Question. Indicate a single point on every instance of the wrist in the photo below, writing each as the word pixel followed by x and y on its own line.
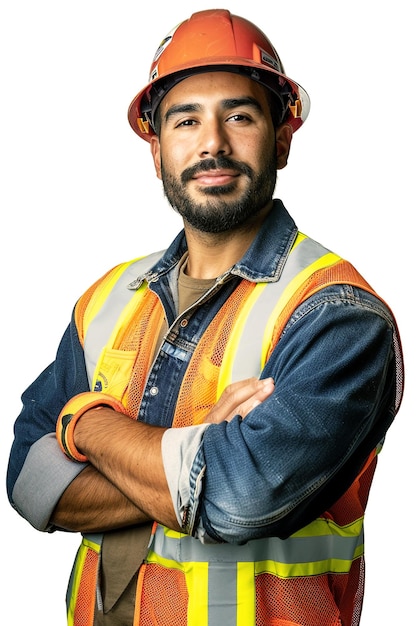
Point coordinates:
pixel 74 409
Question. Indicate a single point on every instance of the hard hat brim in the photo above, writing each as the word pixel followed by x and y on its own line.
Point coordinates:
pixel 139 112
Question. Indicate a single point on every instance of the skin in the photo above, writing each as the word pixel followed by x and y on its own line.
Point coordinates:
pixel 199 124
pixel 210 116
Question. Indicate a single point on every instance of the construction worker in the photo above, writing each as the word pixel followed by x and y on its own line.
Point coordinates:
pixel 212 419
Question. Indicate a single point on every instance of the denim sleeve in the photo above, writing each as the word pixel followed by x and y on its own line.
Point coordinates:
pixel 179 449
pixel 38 473
pixel 295 454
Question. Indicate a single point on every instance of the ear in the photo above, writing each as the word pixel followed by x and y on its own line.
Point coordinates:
pixel 156 155
pixel 283 137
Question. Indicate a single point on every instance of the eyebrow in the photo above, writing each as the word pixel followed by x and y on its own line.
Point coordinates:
pixel 226 104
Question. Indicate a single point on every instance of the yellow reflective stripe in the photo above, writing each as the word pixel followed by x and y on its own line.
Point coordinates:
pixel 102 292
pixel 127 313
pixel 246 597
pixel 115 365
pixel 250 339
pixel 323 526
pixel 174 534
pixel 154 557
pixel 105 317
pixel 197 584
pixel 90 543
pixel 226 368
pixel 86 544
pixel 300 237
pixel 225 373
pixel 312 568
pixel 325 261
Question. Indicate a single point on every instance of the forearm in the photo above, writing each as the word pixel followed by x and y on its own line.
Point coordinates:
pixel 126 481
pixel 92 504
pixel 128 454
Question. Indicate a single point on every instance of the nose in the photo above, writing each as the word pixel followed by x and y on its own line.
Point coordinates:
pixel 213 140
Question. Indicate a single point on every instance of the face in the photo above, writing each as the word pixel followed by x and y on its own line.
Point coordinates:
pixel 218 152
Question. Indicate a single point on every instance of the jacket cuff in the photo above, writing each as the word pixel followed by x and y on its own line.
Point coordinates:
pixel 180 449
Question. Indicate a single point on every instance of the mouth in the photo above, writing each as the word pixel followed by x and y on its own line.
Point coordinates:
pixel 216 178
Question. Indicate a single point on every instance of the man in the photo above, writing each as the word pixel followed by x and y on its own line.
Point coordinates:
pixel 212 419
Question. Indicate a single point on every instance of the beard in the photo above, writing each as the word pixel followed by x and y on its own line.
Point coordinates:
pixel 218 214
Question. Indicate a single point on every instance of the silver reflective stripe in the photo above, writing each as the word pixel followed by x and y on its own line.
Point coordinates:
pixel 222 594
pixel 247 361
pixel 101 327
pixel 96 538
pixel 294 550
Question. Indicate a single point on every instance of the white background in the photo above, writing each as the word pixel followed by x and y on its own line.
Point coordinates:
pixel 78 194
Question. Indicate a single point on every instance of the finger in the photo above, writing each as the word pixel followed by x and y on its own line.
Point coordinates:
pixel 246 407
pixel 238 397
pixel 241 391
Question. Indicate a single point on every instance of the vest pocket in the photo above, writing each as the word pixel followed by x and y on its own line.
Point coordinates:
pixel 113 372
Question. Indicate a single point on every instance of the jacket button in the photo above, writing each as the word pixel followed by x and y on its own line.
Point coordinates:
pixel 153 391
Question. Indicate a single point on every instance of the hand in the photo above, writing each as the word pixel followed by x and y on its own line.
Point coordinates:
pixel 239 399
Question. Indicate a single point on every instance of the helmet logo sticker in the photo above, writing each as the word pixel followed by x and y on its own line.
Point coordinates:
pixel 164 43
pixel 162 46
pixel 266 59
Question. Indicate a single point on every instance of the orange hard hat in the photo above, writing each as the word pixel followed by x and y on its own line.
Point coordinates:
pixel 216 40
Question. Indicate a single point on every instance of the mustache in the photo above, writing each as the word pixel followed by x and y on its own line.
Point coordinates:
pixel 216 164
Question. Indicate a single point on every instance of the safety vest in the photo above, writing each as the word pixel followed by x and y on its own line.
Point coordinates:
pixel 315 577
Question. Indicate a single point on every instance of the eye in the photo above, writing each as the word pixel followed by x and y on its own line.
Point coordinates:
pixel 239 117
pixel 187 122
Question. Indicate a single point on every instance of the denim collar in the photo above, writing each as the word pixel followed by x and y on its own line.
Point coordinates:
pixel 262 262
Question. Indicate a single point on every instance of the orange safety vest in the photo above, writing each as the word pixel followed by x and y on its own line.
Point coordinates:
pixel 315 577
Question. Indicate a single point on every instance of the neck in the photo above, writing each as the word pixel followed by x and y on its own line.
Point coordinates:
pixel 212 254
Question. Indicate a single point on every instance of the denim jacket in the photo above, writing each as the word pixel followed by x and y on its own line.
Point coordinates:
pixel 337 373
